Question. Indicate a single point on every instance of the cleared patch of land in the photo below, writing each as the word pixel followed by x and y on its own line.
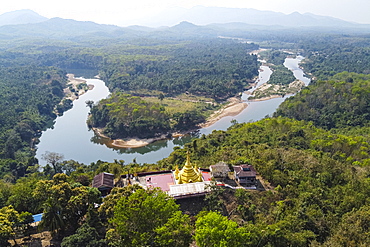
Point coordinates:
pixel 184 103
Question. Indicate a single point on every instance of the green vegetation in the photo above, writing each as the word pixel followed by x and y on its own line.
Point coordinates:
pixel 212 68
pixel 340 102
pixel 314 153
pixel 186 103
pixel 308 166
pixel 139 216
pixel 281 75
pixel 275 57
pixel 213 229
pixel 350 54
pixel 123 115
pixel 28 99
pixel 282 81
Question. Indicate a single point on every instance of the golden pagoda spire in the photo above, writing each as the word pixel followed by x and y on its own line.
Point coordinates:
pixel 177 172
pixel 187 157
pixel 188 173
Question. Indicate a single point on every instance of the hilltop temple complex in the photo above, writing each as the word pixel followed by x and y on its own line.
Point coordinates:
pixel 190 181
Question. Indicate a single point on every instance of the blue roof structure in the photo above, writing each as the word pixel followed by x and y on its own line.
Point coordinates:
pixel 37 217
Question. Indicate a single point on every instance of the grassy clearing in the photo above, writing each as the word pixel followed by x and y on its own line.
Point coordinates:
pixel 183 104
pixel 191 97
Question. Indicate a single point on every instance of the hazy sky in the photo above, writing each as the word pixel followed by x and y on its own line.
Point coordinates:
pixel 125 12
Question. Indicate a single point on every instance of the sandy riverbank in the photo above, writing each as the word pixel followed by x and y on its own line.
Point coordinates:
pixel 133 143
pixel 235 107
pixel 126 143
pixel 267 98
pixel 74 82
pixel 276 91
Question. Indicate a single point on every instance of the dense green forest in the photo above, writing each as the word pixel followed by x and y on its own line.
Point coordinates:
pixel 274 57
pixel 320 182
pixel 339 102
pixel 281 75
pixel 123 115
pixel 329 55
pixel 28 99
pixel 314 152
pixel 212 68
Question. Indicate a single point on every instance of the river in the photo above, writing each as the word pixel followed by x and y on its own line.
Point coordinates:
pixel 71 137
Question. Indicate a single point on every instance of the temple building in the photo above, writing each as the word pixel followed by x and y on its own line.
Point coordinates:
pixel 188 173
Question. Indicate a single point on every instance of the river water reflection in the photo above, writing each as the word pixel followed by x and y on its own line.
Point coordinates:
pixel 71 137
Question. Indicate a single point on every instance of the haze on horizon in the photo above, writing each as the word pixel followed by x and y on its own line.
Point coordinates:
pixel 133 12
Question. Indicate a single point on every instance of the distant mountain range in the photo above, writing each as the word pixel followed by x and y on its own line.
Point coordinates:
pixel 200 22
pixel 200 15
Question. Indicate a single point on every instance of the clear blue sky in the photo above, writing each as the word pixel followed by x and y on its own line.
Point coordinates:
pixel 125 12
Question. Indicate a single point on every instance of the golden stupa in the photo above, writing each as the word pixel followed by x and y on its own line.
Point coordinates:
pixel 188 173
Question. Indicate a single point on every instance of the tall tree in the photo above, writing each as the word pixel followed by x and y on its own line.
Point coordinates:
pixel 176 232
pixel 52 218
pixel 54 159
pixel 137 216
pixel 213 229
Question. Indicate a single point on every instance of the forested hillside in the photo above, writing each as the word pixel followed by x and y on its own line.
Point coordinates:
pixel 28 97
pixel 320 181
pixel 319 186
pixel 343 101
pixel 329 55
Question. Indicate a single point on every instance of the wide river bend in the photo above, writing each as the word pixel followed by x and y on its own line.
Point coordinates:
pixel 71 137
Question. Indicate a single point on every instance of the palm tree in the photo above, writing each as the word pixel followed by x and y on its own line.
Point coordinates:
pixel 52 218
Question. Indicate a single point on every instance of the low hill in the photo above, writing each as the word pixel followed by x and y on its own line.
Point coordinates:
pixel 64 29
pixel 21 17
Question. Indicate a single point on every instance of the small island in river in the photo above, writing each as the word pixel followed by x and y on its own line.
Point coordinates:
pixel 128 121
pixel 269 91
pixel 282 81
